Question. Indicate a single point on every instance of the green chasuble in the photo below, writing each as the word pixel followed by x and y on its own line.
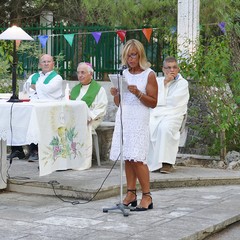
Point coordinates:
pixel 47 80
pixel 90 94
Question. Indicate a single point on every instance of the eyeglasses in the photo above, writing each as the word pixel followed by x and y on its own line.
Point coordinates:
pixel 169 68
pixel 132 55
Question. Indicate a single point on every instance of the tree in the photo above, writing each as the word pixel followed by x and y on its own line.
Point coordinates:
pixel 128 13
pixel 24 11
pixel 211 69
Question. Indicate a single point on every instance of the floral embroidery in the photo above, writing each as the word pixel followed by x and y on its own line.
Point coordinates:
pixel 64 145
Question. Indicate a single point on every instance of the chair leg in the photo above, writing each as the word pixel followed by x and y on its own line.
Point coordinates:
pixel 96 147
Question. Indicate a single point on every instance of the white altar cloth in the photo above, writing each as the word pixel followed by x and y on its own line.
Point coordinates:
pixel 58 127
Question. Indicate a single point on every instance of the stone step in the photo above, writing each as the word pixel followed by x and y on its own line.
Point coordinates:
pixel 104 182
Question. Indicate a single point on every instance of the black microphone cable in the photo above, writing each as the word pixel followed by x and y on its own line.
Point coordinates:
pixel 54 182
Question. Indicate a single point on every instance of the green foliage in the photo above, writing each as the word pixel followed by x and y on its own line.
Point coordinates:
pixel 128 13
pixel 5 57
pixel 29 51
pixel 211 68
pixel 131 13
pixel 5 66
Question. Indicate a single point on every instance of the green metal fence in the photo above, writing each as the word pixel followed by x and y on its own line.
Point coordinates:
pixel 105 55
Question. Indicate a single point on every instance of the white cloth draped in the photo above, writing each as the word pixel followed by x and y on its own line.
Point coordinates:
pixel 166 120
pixel 65 141
pixel 60 128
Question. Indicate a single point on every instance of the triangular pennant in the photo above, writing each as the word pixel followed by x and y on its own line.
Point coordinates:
pixel 69 38
pixel 121 34
pixel 43 40
pixel 222 27
pixel 97 36
pixel 147 32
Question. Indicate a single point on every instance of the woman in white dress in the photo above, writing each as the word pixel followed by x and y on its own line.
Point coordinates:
pixel 132 121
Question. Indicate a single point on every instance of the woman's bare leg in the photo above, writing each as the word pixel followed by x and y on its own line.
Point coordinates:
pixel 131 181
pixel 142 173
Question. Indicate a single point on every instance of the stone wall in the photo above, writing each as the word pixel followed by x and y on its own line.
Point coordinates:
pixel 196 143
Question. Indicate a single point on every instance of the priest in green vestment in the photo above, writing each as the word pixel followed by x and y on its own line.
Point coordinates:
pixel 91 92
pixel 45 84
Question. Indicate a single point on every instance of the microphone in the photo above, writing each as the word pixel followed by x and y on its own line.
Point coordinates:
pixel 122 68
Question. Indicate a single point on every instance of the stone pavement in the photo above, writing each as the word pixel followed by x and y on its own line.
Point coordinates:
pixel 190 203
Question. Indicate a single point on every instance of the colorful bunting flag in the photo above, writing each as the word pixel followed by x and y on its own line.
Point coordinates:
pixel 147 32
pixel 69 38
pixel 222 27
pixel 43 40
pixel 97 36
pixel 121 34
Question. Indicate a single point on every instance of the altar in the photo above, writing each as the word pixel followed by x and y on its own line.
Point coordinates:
pixel 60 128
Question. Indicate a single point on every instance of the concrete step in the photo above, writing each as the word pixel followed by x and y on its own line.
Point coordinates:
pixel 104 182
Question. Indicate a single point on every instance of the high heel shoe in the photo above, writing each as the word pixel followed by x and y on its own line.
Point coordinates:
pixel 150 206
pixel 134 202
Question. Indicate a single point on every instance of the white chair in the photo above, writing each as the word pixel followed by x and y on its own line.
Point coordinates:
pixel 96 146
pixel 183 131
pixel 103 126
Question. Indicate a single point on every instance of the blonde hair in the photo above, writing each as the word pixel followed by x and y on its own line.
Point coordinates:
pixel 133 43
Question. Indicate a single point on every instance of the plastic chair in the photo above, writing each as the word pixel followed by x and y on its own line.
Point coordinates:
pixel 183 123
pixel 183 131
pixel 96 146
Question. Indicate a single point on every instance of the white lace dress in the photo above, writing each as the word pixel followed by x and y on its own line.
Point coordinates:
pixel 132 120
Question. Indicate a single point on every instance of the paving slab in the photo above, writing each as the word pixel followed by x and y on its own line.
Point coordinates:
pixel 191 213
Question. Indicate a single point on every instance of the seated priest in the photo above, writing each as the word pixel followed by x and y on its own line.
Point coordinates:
pixel 91 92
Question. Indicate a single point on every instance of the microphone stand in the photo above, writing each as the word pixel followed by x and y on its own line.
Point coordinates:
pixel 120 206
